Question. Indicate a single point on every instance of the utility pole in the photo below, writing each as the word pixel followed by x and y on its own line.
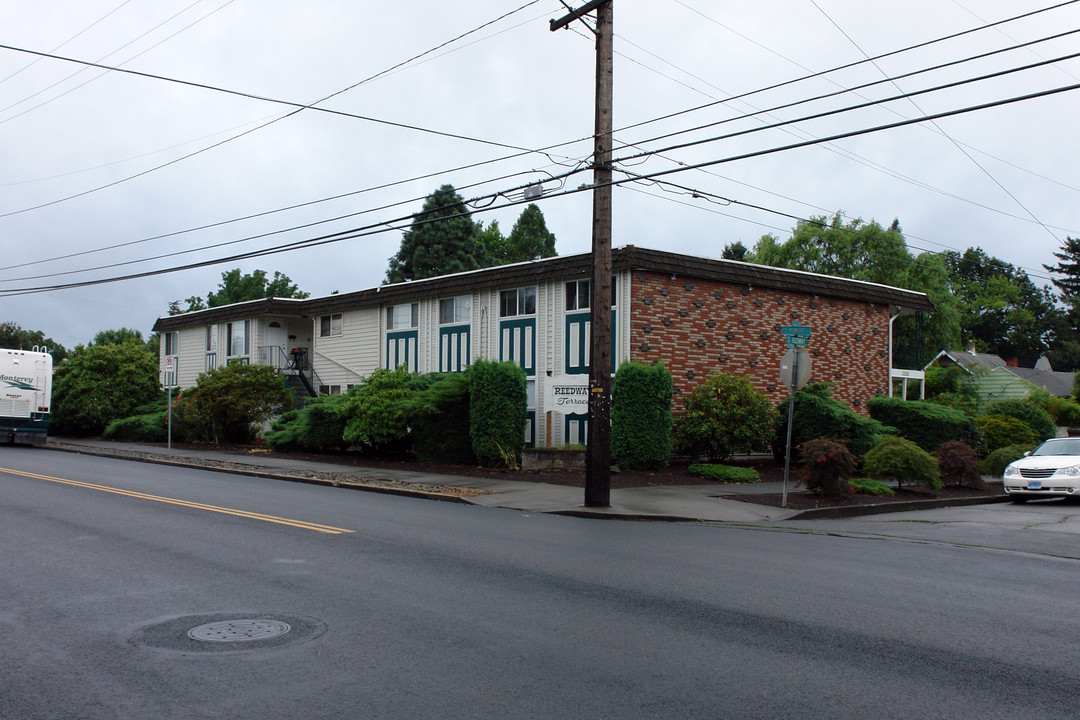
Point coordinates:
pixel 598 449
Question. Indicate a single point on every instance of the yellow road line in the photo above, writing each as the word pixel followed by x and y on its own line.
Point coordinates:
pixel 329 529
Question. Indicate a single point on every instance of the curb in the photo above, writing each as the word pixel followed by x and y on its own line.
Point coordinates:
pixel 882 508
pixel 402 492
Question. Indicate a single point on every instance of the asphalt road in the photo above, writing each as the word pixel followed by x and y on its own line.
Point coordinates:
pixel 405 608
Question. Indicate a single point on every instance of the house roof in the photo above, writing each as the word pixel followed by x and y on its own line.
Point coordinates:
pixel 1058 384
pixel 969 360
pixel 624 258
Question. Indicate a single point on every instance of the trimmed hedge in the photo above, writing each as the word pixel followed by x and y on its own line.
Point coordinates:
pixel 641 416
pixel 439 420
pixel 497 412
pixel 318 427
pixel 1028 413
pixel 995 462
pixel 725 473
pixel 870 486
pixel 998 431
pixel 818 414
pixel 903 461
pixel 149 427
pixel 926 424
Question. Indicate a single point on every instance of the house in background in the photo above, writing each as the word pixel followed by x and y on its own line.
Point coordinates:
pixel 999 379
pixel 696 315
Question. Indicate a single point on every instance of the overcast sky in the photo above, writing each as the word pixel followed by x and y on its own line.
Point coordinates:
pixel 91 158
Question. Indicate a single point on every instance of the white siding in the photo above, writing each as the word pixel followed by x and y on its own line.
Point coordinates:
pixel 353 355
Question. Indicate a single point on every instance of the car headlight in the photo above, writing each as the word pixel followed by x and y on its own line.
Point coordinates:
pixel 1069 471
pixel 1012 471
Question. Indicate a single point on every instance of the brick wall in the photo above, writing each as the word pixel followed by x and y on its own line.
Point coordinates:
pixel 700 326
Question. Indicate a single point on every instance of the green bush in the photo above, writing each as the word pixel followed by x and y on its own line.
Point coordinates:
pixel 228 403
pixel 375 413
pixel 870 486
pixel 905 462
pixel 954 387
pixel 996 462
pixel 1064 411
pixel 827 464
pixel 101 383
pixel 641 416
pixel 1027 412
pixel 148 427
pixel 725 473
pixel 926 424
pixel 818 414
pixel 497 412
pixel 722 416
pixel 998 431
pixel 439 417
pixel 317 427
pixel 959 465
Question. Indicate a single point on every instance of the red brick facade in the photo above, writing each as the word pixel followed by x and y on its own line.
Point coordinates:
pixel 700 326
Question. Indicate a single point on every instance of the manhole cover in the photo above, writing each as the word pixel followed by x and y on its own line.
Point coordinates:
pixel 226 633
pixel 239 630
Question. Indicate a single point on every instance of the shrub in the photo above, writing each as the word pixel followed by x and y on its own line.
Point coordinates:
pixel 818 414
pixel 723 416
pixel 375 416
pixel 926 424
pixel 827 464
pixel 1027 412
pixel 725 473
pixel 100 383
pixel 903 461
pixel 998 431
pixel 318 427
pixel 959 465
pixel 227 403
pixel 954 387
pixel 995 462
pixel 1064 411
pixel 641 416
pixel 870 486
pixel 439 417
pixel 148 427
pixel 497 412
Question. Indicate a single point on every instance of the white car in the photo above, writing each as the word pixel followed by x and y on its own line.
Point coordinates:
pixel 1050 470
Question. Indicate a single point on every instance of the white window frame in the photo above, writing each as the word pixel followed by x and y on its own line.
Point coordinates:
pixel 520 297
pixel 331 328
pixel 461 310
pixel 395 317
pixel 246 335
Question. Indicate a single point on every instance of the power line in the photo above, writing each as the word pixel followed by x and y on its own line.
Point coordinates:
pixel 386 226
pixel 299 108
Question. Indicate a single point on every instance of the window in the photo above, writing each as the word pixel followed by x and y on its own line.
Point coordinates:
pixel 455 310
pixel 330 325
pixel 172 343
pixel 329 389
pixel 577 295
pixel 517 302
pixel 211 338
pixel 403 317
pixel 239 334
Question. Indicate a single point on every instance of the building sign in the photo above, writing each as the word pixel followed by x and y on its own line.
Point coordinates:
pixel 567 393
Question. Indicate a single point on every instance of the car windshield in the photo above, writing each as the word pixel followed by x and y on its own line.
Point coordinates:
pixel 1070 446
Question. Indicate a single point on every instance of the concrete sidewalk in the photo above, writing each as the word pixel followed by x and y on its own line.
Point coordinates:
pixel 671 503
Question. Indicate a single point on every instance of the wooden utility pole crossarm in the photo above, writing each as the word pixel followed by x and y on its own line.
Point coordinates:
pixel 598 450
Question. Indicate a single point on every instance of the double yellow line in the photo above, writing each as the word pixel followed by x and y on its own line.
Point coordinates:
pixel 330 530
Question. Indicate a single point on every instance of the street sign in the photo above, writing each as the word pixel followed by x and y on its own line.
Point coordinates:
pixel 796 334
pixel 787 368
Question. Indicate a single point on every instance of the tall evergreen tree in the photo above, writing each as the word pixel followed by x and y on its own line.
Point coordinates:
pixel 529 238
pixel 442 240
pixel 1068 267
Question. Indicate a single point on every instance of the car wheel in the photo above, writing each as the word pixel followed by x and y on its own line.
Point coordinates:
pixel 1018 499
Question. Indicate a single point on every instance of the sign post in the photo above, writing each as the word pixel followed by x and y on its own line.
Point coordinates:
pixel 794 373
pixel 170 383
